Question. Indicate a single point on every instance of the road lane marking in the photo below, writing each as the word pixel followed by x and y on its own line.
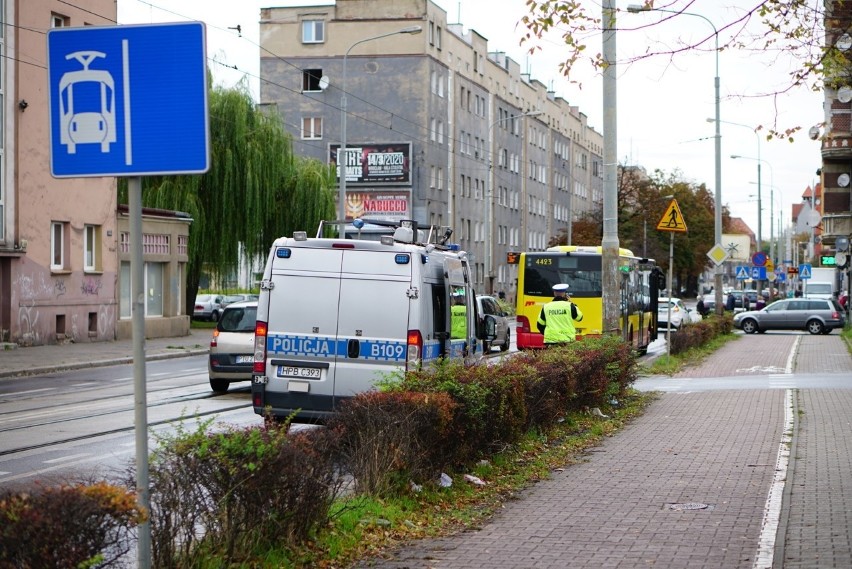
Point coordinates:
pixel 792 356
pixel 67 458
pixel 29 391
pixel 772 511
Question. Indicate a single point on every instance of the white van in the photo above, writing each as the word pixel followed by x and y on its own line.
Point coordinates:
pixel 335 315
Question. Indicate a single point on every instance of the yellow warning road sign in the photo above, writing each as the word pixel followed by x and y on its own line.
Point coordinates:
pixel 672 220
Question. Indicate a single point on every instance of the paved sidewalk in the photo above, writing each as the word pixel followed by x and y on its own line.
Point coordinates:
pixel 16 360
pixel 697 482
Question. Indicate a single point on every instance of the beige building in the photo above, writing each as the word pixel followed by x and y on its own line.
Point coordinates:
pixel 60 239
pixel 446 129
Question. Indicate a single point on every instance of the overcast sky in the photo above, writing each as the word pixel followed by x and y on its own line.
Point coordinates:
pixel 662 104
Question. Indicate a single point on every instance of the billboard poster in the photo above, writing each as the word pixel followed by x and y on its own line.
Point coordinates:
pixel 375 163
pixel 389 206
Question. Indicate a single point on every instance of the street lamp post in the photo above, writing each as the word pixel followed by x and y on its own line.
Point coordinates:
pixel 489 204
pixel 759 204
pixel 342 161
pixel 717 218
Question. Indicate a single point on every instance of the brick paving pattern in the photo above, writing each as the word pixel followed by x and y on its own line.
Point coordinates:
pixel 816 528
pixel 613 509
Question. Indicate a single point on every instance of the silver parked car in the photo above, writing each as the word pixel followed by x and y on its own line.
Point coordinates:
pixel 489 309
pixel 240 297
pixel 208 307
pixel 231 355
pixel 817 316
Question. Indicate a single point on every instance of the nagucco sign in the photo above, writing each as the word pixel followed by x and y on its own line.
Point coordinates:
pixel 375 164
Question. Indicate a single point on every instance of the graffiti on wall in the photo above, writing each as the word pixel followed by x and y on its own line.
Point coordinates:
pixel 91 286
pixel 28 325
pixel 34 286
pixel 76 316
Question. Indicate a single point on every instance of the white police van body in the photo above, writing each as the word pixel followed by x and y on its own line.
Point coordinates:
pixel 335 315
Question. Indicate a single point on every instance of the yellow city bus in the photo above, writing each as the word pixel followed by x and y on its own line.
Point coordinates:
pixel 580 267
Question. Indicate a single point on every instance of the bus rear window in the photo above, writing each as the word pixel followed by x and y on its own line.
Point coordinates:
pixel 582 273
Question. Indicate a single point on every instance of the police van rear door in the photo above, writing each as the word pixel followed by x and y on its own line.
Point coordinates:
pixel 302 320
pixel 376 296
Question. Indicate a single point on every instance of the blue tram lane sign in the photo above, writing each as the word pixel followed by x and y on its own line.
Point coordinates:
pixel 128 100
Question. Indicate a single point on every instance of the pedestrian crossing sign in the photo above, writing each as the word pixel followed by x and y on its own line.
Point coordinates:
pixel 672 220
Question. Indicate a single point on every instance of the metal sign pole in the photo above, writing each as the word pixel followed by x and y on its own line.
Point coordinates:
pixel 669 287
pixel 137 293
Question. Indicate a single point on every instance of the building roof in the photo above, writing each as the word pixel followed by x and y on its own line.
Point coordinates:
pixel 741 227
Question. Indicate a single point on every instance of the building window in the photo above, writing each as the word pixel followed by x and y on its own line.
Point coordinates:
pixel 438 37
pixel 311 79
pixel 431 33
pixel 313 31
pixel 58 243
pixel 59 21
pixel 91 246
pixel 153 283
pixel 311 128
pixel 125 303
pixel 154 289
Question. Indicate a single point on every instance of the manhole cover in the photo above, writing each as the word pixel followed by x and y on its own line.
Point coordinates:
pixel 689 506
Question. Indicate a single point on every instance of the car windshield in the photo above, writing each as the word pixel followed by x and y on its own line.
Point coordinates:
pixel 240 319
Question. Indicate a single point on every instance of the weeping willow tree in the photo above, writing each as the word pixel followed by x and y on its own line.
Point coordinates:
pixel 255 191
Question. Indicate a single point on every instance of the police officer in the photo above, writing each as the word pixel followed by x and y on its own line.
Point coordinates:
pixel 557 318
pixel 458 316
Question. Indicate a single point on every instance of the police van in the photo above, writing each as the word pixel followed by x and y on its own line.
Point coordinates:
pixel 335 315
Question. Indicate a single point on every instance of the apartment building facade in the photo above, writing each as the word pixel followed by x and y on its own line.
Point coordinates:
pixel 835 202
pixel 439 127
pixel 64 266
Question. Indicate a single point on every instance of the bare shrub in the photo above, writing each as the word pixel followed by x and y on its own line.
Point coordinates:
pixel 225 494
pixel 68 526
pixel 550 386
pixel 387 434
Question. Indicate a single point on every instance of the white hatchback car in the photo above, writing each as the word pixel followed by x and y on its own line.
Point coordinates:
pixel 232 346
pixel 680 313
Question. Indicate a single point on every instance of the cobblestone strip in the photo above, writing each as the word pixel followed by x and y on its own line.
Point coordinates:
pixel 817 519
pixel 749 354
pixel 823 354
pixel 615 509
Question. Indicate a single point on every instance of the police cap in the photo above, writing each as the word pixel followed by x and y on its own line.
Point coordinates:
pixel 561 287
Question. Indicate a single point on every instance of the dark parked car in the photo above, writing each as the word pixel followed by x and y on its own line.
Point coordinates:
pixel 817 316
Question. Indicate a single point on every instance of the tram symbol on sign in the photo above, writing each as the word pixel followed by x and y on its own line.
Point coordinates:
pixel 86 104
